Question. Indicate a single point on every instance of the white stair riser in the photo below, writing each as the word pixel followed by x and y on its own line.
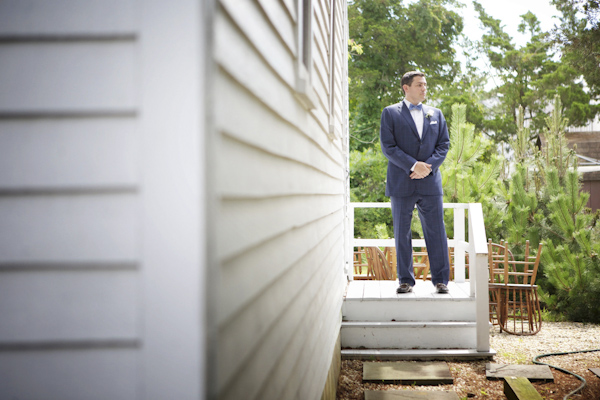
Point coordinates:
pixel 411 337
pixel 421 355
pixel 408 310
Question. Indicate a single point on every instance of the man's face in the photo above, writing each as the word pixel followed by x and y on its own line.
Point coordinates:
pixel 417 91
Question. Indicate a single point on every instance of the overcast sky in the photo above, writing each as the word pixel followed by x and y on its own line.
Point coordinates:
pixel 509 11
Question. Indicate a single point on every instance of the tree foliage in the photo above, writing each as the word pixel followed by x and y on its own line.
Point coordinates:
pixel 468 89
pixel 396 38
pixel 579 38
pixel 521 192
pixel 471 169
pixel 530 77
pixel 535 197
pixel 545 203
pixel 367 184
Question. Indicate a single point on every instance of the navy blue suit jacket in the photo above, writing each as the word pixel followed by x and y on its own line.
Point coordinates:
pixel 402 146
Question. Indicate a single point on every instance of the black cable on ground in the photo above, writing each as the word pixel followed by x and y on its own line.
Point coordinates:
pixel 581 378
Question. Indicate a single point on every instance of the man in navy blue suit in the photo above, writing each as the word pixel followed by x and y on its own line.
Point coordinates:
pixel 414 138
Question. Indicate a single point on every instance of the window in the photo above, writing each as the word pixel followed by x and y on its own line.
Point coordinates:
pixel 333 132
pixel 304 90
pixel 305 48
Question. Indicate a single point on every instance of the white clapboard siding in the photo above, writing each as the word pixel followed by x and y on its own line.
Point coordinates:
pixel 68 153
pixel 277 254
pixel 248 171
pixel 252 122
pixel 70 373
pixel 285 375
pixel 281 189
pixel 321 117
pixel 250 223
pixel 68 228
pixel 52 72
pixel 291 9
pixel 288 318
pixel 309 358
pixel 282 20
pixel 95 306
pixel 69 182
pixel 236 56
pixel 68 18
pixel 321 86
pixel 102 257
pixel 257 30
pixel 321 40
pixel 274 271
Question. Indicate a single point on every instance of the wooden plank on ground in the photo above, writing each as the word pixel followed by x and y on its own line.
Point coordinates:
pixel 407 372
pixel 410 395
pixel 519 388
pixel 596 371
pixel 531 372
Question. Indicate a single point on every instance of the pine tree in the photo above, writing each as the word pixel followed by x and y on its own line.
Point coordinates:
pixel 545 203
pixel 524 213
pixel 523 216
pixel 570 255
pixel 471 169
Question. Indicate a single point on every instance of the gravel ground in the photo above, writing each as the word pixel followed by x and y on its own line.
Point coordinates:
pixel 469 376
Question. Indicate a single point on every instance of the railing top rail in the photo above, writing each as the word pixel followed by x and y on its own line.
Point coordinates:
pixel 389 205
pixel 477 235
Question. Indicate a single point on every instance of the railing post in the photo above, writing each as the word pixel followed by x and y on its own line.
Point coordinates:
pixel 350 248
pixel 482 311
pixel 459 250
pixel 479 275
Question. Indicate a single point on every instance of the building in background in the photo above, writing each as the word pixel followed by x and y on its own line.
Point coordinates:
pixel 587 147
pixel 173 192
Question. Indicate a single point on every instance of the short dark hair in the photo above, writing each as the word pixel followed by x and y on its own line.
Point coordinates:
pixel 408 77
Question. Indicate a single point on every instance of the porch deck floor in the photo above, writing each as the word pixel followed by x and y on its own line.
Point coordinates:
pixel 423 290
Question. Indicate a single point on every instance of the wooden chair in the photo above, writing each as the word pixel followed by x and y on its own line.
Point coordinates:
pixel 379 268
pixel 451 257
pixel 390 256
pixel 360 262
pixel 514 302
pixel 496 255
pixel 420 262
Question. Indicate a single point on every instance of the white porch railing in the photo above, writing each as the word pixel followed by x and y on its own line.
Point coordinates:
pixel 475 246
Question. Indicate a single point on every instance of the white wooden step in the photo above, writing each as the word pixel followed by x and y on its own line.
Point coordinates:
pixel 408 335
pixel 378 301
pixel 425 354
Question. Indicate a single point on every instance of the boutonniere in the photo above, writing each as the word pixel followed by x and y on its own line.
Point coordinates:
pixel 429 114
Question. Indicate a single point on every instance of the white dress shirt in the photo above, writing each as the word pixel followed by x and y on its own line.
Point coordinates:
pixel 417 117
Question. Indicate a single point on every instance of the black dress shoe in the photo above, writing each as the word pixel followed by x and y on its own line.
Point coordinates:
pixel 404 288
pixel 441 288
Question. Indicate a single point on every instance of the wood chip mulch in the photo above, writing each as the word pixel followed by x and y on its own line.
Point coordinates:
pixel 470 381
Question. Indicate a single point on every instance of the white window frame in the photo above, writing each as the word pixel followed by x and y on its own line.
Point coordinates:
pixel 332 133
pixel 304 89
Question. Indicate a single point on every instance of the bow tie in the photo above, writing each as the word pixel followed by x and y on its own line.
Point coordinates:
pixel 413 107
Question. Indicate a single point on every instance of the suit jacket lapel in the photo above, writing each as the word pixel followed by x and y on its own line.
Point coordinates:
pixel 409 119
pixel 426 121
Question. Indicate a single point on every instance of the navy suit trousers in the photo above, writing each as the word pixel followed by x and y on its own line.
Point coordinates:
pixel 431 214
